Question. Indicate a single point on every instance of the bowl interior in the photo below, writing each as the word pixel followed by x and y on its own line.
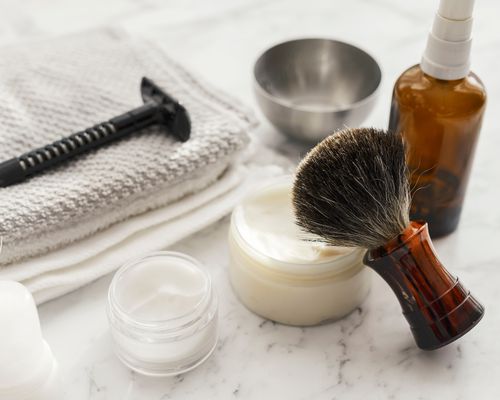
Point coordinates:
pixel 317 74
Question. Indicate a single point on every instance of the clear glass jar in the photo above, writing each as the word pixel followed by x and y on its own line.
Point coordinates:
pixel 162 311
pixel 273 280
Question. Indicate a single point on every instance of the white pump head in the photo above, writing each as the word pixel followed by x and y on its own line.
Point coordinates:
pixel 447 55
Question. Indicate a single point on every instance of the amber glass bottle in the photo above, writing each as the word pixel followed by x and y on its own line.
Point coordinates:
pixel 438 107
pixel 440 120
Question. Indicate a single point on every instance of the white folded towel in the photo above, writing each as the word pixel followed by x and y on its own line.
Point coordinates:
pixel 56 87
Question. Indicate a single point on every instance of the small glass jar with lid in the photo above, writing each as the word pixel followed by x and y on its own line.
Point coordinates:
pixel 162 310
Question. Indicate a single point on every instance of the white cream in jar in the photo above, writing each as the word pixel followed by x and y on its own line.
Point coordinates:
pixel 281 276
pixel 163 314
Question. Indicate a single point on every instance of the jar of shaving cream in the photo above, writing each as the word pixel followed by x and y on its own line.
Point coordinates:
pixel 280 275
pixel 162 311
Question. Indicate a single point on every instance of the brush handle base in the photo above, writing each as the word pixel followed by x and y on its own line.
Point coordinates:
pixel 431 335
pixel 437 307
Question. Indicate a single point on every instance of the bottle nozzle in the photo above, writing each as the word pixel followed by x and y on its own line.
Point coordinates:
pixel 447 55
pixel 457 10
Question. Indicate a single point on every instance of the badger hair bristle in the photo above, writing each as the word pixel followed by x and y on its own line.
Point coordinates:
pixel 352 189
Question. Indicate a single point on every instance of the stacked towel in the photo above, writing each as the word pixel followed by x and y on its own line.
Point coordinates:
pixel 70 216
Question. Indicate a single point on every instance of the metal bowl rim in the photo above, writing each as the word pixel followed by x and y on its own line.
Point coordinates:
pixel 311 109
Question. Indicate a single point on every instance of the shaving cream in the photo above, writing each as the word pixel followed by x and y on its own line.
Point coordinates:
pixel 280 273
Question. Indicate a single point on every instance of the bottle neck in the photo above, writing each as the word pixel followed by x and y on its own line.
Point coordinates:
pixel 447 54
pixel 445 81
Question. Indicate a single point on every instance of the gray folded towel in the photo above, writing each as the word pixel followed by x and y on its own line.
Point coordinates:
pixel 53 88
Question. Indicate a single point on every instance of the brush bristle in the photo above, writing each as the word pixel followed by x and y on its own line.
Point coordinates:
pixel 352 189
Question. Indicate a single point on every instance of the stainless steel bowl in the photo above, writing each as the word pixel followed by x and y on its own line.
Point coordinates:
pixel 308 88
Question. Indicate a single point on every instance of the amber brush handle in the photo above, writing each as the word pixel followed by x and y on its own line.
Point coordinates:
pixel 436 305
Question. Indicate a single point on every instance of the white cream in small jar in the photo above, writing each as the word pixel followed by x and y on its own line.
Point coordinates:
pixel 162 311
pixel 281 276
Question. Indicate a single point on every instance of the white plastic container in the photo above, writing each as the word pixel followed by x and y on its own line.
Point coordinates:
pixel 279 275
pixel 28 370
pixel 163 314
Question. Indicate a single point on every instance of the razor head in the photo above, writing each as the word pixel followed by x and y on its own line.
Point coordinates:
pixel 171 114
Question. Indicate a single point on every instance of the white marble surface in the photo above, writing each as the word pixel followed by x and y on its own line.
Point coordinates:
pixel 369 354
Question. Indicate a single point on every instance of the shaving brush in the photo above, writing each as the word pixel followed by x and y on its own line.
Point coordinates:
pixel 352 189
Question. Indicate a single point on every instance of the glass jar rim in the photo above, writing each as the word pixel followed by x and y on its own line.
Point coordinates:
pixel 174 325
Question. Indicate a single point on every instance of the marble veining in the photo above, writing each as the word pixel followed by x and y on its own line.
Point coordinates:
pixel 370 354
